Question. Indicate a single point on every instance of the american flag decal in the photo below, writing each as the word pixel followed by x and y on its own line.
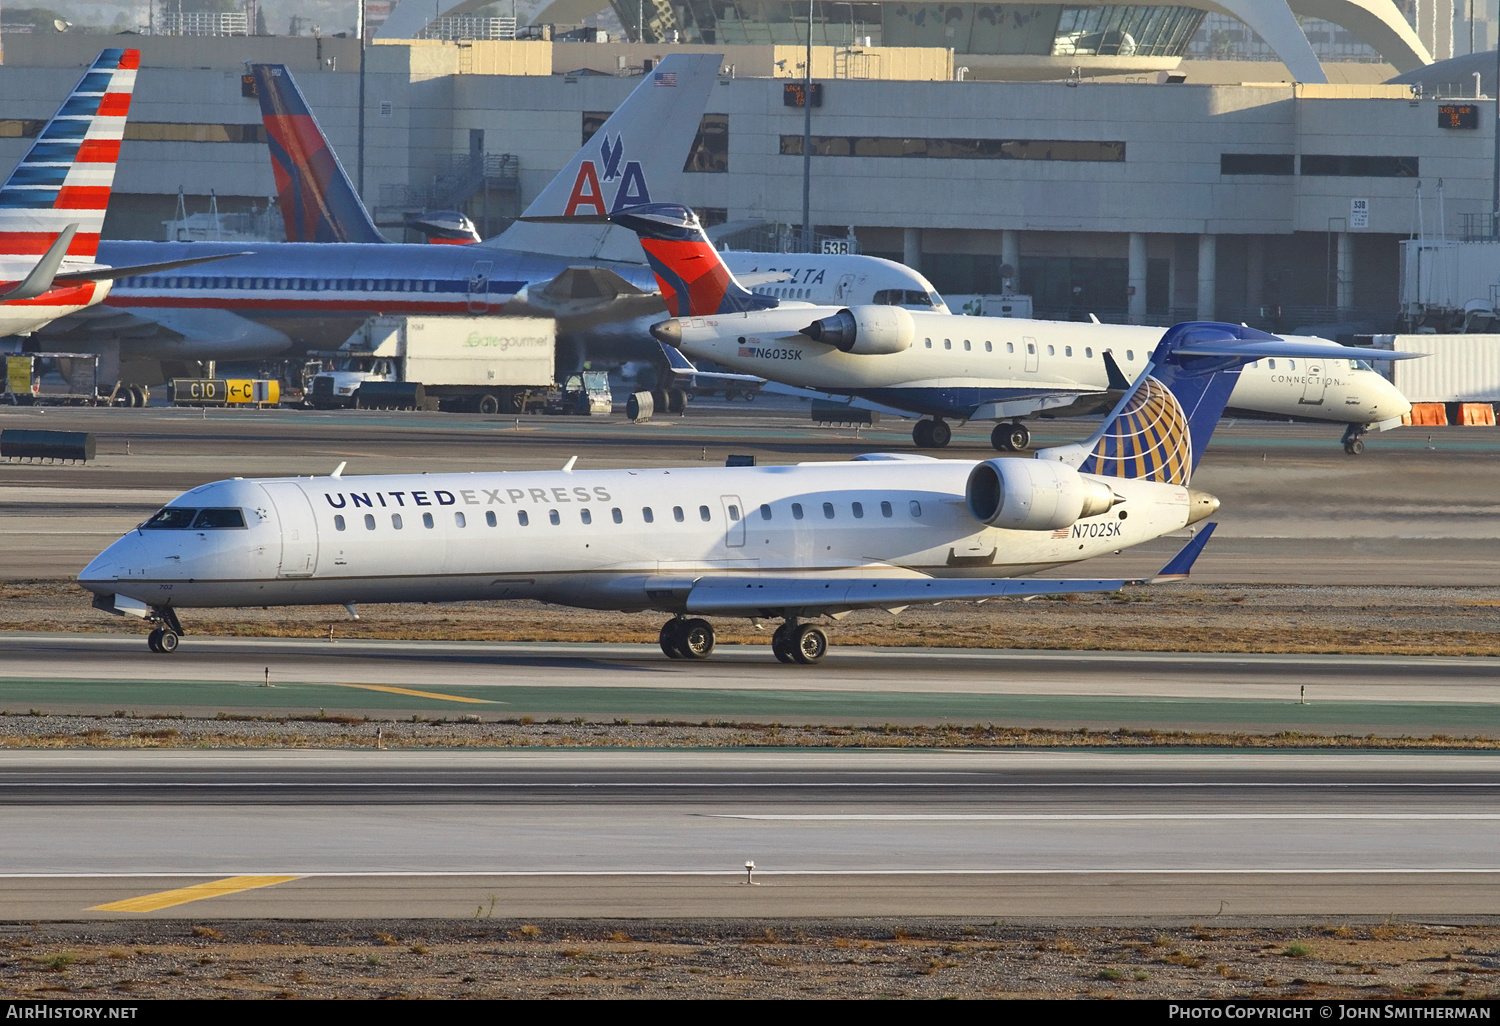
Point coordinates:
pixel 1061 532
pixel 666 78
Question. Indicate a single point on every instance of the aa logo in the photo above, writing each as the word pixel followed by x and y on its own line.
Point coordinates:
pixel 588 195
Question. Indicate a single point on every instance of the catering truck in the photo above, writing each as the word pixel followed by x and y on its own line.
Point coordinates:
pixel 476 364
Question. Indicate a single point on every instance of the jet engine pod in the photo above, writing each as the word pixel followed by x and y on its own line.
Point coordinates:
pixel 1034 495
pixel 865 330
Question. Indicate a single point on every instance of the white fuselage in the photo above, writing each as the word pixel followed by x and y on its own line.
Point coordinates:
pixel 990 368
pixel 615 539
pixel 24 316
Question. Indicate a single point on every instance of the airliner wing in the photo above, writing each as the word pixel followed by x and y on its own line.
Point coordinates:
pixel 753 595
pixel 115 273
pixel 682 367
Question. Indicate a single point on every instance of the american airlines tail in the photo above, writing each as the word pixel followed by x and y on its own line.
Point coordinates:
pixel 318 201
pixel 639 152
pixel 66 176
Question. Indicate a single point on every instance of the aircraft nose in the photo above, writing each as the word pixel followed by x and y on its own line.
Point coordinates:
pixel 104 569
pixel 1201 505
pixel 669 331
pixel 1390 402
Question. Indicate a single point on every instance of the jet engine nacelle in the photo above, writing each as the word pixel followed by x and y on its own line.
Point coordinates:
pixel 1034 495
pixel 865 330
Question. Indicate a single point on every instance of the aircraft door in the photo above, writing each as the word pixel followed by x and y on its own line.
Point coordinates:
pixel 734 521
pixel 844 288
pixel 479 286
pixel 299 529
pixel 1032 358
pixel 1317 384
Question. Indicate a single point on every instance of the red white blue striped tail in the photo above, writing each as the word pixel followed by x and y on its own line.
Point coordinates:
pixel 66 176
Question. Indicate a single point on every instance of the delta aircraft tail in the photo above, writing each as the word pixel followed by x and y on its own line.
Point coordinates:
pixel 1162 425
pixel 318 201
pixel 66 176
pixel 693 277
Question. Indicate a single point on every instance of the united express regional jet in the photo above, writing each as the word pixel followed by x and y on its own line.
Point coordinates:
pixel 791 542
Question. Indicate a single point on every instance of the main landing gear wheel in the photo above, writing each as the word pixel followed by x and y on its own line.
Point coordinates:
pixel 687 639
pixel 1014 437
pixel 677 400
pixel 809 644
pixel 163 641
pixel 489 404
pixel 781 643
pixel 931 434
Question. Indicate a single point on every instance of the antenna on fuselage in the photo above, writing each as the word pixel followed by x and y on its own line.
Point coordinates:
pixel 568 466
pixel 338 471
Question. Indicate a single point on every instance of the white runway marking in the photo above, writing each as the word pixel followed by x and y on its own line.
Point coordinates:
pixel 1067 817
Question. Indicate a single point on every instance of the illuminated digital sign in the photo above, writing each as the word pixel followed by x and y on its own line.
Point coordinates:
pixel 1458 115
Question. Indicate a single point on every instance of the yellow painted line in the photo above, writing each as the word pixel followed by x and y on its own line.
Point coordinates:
pixel 419 694
pixel 197 892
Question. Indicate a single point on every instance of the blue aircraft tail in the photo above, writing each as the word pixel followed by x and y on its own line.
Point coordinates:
pixel 1162 425
pixel 318 201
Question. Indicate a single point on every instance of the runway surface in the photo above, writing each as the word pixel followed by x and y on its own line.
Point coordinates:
pixel 323 834
pixel 58 673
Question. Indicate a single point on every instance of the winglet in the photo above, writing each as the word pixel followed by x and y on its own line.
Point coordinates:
pixel 679 363
pixel 1182 564
pixel 39 281
pixel 1118 382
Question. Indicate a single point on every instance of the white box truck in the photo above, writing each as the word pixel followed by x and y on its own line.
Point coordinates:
pixel 483 364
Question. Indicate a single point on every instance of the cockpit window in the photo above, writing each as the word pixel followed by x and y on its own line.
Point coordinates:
pixel 903 297
pixel 173 518
pixel 212 518
pixel 1360 365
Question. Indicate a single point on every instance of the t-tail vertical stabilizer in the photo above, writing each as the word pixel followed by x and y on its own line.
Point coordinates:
pixel 639 152
pixel 1162 425
pixel 318 201
pixel 66 176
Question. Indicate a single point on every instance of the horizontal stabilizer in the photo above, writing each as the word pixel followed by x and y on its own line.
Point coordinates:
pixel 40 280
pixel 1181 564
pixel 116 273
pixel 1255 349
pixel 681 366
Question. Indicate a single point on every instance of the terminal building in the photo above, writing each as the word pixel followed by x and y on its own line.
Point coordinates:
pixel 1074 143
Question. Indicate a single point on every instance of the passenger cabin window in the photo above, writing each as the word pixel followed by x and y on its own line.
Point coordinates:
pixel 947 343
pixel 1291 365
pixel 427 520
pixel 1067 350
pixel 338 522
pixel 616 515
pixel 396 521
pixel 677 514
pixel 703 513
pixel 459 520
pixel 967 347
pixel 1089 352
pixel 1031 347
pixel 765 511
pixel 827 511
pixel 1271 364
pixel 522 518
pixel 1010 347
pixel 796 511
pixel 928 342
pixel 734 512
pixel 886 510
pixel 489 518
pixel 859 510
pixel 916 508
pixel 586 516
pixel 989 347
pixel 554 517
pixel 369 521
pixel 1051 350
pixel 647 515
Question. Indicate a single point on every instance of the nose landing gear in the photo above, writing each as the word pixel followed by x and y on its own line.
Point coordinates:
pixel 168 632
pixel 1353 438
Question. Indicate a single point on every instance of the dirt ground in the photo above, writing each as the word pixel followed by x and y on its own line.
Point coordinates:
pixel 492 958
pixel 1218 618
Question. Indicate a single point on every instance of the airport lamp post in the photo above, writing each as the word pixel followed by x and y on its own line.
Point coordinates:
pixel 1495 170
pixel 807 232
pixel 359 24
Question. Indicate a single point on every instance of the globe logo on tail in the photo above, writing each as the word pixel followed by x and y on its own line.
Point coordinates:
pixel 1149 439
